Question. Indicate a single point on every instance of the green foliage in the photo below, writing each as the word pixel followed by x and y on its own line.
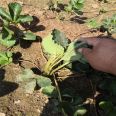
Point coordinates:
pixel 24 19
pixel 15 10
pixel 93 24
pixel 81 111
pixel 5 58
pixel 14 17
pixel 5 15
pixel 110 24
pixel 7 37
pixel 75 6
pixel 60 38
pixel 31 81
pixel 43 82
pixel 50 47
pixel 108 108
pixel 50 91
pixel 29 36
pixel 53 4
pixel 106 105
pixel 60 51
pixel 71 55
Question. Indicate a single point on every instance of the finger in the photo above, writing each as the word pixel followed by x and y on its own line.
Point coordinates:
pixel 87 53
pixel 91 41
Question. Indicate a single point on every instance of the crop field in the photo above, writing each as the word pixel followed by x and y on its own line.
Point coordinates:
pixel 42 73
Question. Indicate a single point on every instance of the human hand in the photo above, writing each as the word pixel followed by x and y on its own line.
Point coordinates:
pixel 102 56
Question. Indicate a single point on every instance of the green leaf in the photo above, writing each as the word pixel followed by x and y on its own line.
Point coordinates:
pixel 77 4
pixel 24 19
pixel 50 47
pixel 30 86
pixel 15 10
pixel 6 42
pixel 5 22
pixel 110 24
pixel 26 75
pixel 4 14
pixel 60 38
pixel 5 58
pixel 43 81
pixel 106 105
pixel 29 36
pixel 80 111
pixel 50 91
pixel 72 55
pixel 6 37
pixel 93 24
pixel 68 8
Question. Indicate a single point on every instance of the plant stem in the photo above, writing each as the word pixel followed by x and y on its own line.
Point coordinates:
pixel 56 61
pixel 59 94
pixel 47 66
pixel 61 66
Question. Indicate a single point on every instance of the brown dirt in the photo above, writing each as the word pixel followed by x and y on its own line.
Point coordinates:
pixel 14 102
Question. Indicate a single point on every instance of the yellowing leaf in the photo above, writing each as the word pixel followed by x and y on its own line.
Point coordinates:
pixel 50 47
pixel 71 55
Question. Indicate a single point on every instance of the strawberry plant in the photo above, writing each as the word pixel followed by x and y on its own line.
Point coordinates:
pixel 59 49
pixel 75 6
pixel 108 108
pixel 13 17
pixel 108 25
pixel 53 4
pixel 7 37
pixel 60 52
pixel 5 58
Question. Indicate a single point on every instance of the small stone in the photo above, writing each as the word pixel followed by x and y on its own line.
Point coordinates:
pixel 95 6
pixel 38 110
pixel 17 102
pixel 46 101
pixel 2 114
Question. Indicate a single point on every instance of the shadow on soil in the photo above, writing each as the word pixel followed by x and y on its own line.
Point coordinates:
pixel 26 44
pixel 6 87
pixel 33 27
pixel 73 86
pixel 78 19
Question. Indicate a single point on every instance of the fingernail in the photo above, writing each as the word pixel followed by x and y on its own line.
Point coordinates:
pixel 80 50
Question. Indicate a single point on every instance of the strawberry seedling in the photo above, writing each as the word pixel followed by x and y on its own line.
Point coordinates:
pixel 13 17
pixel 60 52
pixel 75 6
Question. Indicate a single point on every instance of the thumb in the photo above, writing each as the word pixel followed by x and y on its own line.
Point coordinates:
pixel 87 52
